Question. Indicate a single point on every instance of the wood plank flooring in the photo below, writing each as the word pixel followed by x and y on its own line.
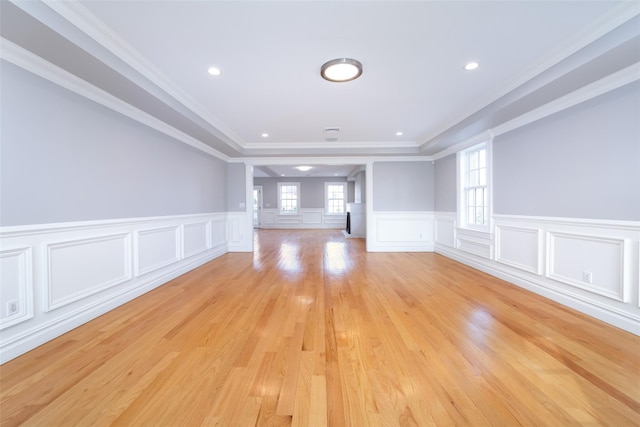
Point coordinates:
pixel 310 330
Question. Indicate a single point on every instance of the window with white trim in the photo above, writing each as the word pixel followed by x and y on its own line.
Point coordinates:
pixel 474 186
pixel 288 197
pixel 335 198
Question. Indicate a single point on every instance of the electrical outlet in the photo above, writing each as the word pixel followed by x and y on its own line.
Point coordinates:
pixel 587 277
pixel 12 307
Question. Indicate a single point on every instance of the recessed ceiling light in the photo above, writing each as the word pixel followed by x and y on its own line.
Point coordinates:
pixel 303 168
pixel 265 135
pixel 399 133
pixel 341 70
pixel 214 71
pixel 471 66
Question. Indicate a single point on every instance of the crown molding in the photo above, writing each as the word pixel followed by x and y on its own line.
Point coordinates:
pixel 585 93
pixel 89 24
pixel 32 63
pixel 607 23
pixel 332 145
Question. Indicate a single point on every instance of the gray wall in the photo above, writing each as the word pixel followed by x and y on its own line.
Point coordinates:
pixel 236 173
pixel 65 158
pixel 311 190
pixel 445 184
pixel 583 162
pixel 403 186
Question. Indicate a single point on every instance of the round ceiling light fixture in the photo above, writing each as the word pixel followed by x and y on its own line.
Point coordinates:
pixel 341 70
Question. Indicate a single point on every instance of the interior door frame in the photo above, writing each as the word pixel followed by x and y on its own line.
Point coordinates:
pixel 260 202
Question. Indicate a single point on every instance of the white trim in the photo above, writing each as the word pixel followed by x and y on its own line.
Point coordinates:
pixel 51 248
pixel 26 60
pixel 536 268
pixel 583 222
pixel 620 293
pixel 25 285
pixel 136 249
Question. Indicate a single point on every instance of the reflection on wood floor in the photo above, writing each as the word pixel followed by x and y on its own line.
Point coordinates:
pixel 310 330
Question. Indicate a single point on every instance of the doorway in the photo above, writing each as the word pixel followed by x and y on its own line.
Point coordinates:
pixel 257 206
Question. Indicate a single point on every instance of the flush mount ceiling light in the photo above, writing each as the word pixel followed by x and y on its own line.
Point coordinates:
pixel 214 71
pixel 303 168
pixel 471 66
pixel 341 70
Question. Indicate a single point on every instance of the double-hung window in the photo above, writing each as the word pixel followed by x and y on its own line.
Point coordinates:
pixel 474 192
pixel 335 198
pixel 288 197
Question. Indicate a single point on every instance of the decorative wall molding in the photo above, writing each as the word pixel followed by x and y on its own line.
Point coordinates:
pixel 155 248
pixel 307 218
pixel 16 285
pixel 550 255
pixel 601 258
pixel 519 247
pixel 479 243
pixel 64 275
pixel 445 228
pixel 196 238
pixel 240 236
pixel 401 232
pixel 80 268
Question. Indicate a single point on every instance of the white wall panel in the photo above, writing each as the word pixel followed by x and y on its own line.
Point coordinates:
pixel 445 229
pixel 475 242
pixel 195 238
pixel 401 231
pixel 519 247
pixel 574 256
pixel 16 286
pixel 79 268
pixel 312 217
pixel 218 232
pixel 156 248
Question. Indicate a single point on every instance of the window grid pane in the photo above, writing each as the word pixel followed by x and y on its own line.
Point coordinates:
pixel 335 199
pixel 476 188
pixel 289 199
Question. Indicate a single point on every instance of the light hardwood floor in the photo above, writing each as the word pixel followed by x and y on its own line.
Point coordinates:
pixel 310 330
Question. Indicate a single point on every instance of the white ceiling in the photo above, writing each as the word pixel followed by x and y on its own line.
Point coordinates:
pixel 155 55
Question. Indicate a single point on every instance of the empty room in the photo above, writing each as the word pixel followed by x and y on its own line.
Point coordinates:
pixel 319 213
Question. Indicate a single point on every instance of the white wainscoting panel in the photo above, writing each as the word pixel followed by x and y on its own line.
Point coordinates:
pixel 64 275
pixel 240 231
pixel 196 238
pixel 475 242
pixel 445 228
pixel 307 218
pixel 218 233
pixel 519 247
pixel 156 248
pixel 557 257
pixel 16 286
pixel 311 218
pixel 572 256
pixel 80 268
pixel 401 232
